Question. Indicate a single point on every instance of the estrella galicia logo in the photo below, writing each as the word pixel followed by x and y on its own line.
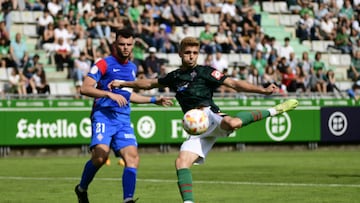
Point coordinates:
pixel 278 127
pixel 146 127
pixel 337 123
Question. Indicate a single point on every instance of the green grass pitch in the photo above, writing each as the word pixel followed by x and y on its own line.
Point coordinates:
pixel 317 176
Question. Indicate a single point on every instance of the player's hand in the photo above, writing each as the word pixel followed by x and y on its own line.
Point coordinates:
pixel 118 98
pixel 272 88
pixel 114 84
pixel 164 101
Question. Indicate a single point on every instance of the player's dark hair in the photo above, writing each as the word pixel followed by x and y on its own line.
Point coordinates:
pixel 126 33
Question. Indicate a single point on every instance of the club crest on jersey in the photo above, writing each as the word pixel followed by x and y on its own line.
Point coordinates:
pixel 94 69
pixel 217 74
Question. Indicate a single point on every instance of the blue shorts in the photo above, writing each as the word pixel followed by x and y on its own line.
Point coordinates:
pixel 112 129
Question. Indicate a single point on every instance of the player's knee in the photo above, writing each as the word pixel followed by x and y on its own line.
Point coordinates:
pixel 230 123
pixel 132 160
pixel 99 161
pixel 181 162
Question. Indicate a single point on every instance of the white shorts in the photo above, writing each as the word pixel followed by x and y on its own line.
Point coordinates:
pixel 202 144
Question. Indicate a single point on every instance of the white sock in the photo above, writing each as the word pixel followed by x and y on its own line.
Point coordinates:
pixel 188 201
pixel 272 111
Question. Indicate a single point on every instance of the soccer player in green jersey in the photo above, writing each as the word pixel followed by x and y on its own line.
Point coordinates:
pixel 194 86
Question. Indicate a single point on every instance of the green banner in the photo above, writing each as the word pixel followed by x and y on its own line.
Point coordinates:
pixel 57 122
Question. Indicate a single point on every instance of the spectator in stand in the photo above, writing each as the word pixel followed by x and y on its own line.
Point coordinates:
pixel 293 6
pixel 134 13
pixel 178 10
pixel 102 50
pixel 293 61
pixel 273 56
pixel 87 24
pixel 254 77
pixel 152 64
pixel 4 34
pixel 101 22
pixel 193 13
pixel 185 32
pixel 270 77
pixel 163 43
pixel 317 81
pixel 264 46
pixel 54 7
pixel 318 63
pixel 16 82
pixel 167 16
pixel 323 11
pixel 6 7
pixel 306 65
pixel 63 57
pixel 347 11
pixel 28 72
pixel 354 91
pixel 40 81
pixel 354 70
pixel 89 50
pixel 219 62
pixel 208 61
pixel 83 6
pixel 4 53
pixel 154 9
pixel 81 69
pixel 222 41
pixel 206 38
pixel 305 29
pixel 331 82
pixel 61 32
pixel 259 63
pixel 18 51
pixel 43 21
pixel 289 79
pixel 174 37
pixel 342 41
pixel 281 65
pixel 286 49
pixel 139 49
pixel 228 11
pixel 248 36
pixel 147 24
pixel 327 28
pixel 237 42
pixel 301 79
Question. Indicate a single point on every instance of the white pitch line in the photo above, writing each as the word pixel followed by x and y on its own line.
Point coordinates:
pixel 195 182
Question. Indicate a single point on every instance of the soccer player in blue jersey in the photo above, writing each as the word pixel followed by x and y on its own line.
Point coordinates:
pixel 194 86
pixel 110 116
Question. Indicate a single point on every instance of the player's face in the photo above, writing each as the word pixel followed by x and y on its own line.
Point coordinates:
pixel 189 56
pixel 123 47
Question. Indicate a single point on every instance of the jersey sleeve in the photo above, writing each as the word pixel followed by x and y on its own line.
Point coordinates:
pixel 166 81
pixel 212 75
pixel 98 69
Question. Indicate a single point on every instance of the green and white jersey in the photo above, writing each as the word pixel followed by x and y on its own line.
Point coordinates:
pixel 194 88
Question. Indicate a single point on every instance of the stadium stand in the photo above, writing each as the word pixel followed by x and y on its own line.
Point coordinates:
pixel 275 17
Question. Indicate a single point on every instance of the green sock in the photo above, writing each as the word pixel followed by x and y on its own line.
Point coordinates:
pixel 248 117
pixel 185 184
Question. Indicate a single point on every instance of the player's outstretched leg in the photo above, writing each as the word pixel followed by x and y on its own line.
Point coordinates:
pixel 248 117
pixel 288 105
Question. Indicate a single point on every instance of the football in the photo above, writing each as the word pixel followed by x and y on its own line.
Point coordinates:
pixel 195 122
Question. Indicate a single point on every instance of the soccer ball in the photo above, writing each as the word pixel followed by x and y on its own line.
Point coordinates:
pixel 195 122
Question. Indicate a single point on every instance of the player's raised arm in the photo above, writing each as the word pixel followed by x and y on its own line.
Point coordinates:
pixel 140 84
pixel 244 86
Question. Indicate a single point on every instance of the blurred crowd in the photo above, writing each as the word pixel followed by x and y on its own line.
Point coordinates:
pixel 75 33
